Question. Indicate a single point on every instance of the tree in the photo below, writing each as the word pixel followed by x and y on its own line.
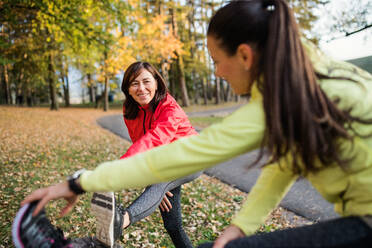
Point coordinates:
pixel 343 18
pixel 50 26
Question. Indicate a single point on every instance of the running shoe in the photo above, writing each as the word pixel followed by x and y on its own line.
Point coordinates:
pixel 109 217
pixel 37 231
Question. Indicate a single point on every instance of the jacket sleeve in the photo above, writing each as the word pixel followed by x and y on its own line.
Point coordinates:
pixel 266 194
pixel 163 131
pixel 238 133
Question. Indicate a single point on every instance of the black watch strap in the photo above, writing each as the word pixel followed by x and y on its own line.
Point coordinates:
pixel 74 187
pixel 72 183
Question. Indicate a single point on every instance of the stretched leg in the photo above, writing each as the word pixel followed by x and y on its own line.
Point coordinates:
pixel 341 232
pixel 111 218
pixel 150 199
pixel 173 221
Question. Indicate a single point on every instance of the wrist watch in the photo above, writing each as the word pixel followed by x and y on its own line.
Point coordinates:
pixel 73 185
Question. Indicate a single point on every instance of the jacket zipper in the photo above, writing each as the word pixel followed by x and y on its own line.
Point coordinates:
pixel 144 121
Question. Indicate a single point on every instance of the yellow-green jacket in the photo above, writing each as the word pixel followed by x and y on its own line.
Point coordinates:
pixel 350 191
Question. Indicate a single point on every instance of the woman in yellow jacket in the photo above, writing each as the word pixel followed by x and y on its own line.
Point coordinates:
pixel 313 114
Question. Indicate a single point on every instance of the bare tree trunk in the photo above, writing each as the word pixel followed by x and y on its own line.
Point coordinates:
pixel 33 97
pixel 28 95
pixel 181 78
pixel 223 91
pixel 218 91
pixel 52 86
pixel 228 93
pixel 180 66
pixel 24 90
pixel 20 89
pixel 165 73
pixel 237 98
pixel 105 96
pixel 193 48
pixel 197 94
pixel 209 89
pixel 172 85
pixel 159 8
pixel 205 97
pixel 92 91
pixel 82 95
pixel 6 88
pixel 66 89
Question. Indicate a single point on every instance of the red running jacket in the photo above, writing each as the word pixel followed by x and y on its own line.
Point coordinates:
pixel 168 123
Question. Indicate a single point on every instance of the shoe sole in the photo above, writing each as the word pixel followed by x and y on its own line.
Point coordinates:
pixel 16 227
pixel 103 208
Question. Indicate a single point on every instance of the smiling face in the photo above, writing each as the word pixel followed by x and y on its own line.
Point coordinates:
pixel 143 88
pixel 234 69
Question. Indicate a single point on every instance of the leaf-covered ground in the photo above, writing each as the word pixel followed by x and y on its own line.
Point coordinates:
pixel 39 147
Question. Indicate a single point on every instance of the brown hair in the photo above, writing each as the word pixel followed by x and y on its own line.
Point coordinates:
pixel 300 119
pixel 130 105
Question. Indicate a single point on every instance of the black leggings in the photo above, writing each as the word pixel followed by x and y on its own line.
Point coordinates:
pixel 342 232
pixel 150 199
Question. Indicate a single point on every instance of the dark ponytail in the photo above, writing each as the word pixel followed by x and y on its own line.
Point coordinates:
pixel 300 119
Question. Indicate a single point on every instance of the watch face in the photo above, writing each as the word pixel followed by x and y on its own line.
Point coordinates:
pixel 77 174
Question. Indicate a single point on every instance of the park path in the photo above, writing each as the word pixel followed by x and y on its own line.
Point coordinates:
pixel 302 199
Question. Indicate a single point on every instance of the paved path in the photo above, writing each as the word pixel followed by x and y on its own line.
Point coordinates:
pixel 302 199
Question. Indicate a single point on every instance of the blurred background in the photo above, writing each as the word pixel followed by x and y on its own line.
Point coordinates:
pixel 62 53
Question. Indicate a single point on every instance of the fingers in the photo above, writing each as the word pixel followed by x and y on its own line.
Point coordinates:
pixel 44 195
pixel 161 207
pixel 36 195
pixel 39 194
pixel 41 204
pixel 71 203
pixel 164 206
pixel 167 203
pixel 66 209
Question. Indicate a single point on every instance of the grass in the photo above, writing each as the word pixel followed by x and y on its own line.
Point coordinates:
pixel 39 147
pixel 202 122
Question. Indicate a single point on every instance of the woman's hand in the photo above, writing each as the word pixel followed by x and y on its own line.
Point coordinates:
pixel 231 232
pixel 165 204
pixel 44 195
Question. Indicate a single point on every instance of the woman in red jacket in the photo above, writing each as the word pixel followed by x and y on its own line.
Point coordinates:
pixel 153 118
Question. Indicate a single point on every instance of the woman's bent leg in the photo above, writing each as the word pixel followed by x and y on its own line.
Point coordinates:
pixel 150 199
pixel 173 221
pixel 341 232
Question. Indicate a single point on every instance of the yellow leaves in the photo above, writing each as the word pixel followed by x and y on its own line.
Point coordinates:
pixel 155 41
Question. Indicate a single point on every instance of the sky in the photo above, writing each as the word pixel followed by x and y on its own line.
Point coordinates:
pixel 345 48
pixel 351 47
